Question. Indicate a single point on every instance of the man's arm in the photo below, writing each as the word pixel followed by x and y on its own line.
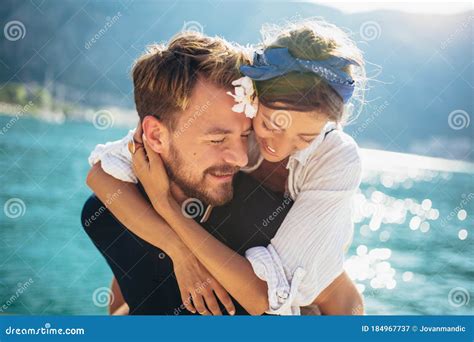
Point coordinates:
pixel 117 306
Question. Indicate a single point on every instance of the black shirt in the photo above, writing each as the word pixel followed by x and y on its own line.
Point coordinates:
pixel 145 273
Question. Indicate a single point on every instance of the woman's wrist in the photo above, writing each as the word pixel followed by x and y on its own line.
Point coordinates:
pixel 161 202
pixel 178 252
pixel 167 208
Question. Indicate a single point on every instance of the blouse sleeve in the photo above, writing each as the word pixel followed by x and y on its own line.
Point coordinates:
pixel 115 158
pixel 307 253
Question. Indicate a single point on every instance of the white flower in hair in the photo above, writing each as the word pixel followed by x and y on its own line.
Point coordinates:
pixel 244 96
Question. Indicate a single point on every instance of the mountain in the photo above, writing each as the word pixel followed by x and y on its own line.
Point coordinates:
pixel 419 100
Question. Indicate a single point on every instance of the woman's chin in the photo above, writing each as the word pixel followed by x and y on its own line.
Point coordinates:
pixel 270 157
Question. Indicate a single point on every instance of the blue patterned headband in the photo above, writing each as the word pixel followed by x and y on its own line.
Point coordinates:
pixel 276 62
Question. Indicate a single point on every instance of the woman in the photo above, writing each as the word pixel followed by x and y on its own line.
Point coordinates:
pixel 304 77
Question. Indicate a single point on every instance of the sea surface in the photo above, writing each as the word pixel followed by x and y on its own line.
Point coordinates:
pixel 412 251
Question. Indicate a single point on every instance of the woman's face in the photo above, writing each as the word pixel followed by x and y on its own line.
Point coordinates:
pixel 280 133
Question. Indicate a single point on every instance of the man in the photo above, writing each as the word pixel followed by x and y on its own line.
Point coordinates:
pixel 186 115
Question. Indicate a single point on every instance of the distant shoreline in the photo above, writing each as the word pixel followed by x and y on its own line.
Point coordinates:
pixel 116 116
pixel 11 109
pixel 394 161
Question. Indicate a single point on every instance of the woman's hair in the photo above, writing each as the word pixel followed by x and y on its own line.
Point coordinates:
pixel 311 39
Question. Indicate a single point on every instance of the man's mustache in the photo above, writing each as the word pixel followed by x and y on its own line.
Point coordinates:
pixel 222 169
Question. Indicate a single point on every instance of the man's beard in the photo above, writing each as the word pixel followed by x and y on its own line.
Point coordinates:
pixel 195 187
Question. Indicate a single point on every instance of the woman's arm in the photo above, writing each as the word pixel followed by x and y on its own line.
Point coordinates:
pixel 237 276
pixel 340 298
pixel 133 211
pixel 234 272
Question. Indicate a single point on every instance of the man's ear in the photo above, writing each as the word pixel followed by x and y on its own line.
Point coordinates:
pixel 156 134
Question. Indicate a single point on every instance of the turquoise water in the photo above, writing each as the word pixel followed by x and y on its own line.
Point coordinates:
pixel 410 253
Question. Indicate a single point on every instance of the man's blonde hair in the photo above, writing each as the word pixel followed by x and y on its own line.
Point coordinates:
pixel 165 76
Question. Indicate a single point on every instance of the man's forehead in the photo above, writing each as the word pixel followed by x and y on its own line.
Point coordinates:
pixel 210 109
pixel 218 120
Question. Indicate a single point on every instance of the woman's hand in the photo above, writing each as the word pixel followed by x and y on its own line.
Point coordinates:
pixel 199 289
pixel 137 136
pixel 150 170
pixel 197 286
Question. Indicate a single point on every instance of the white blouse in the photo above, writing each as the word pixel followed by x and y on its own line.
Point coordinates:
pixel 307 253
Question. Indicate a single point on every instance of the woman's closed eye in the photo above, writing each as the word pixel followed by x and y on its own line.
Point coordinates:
pixel 307 141
pixel 265 125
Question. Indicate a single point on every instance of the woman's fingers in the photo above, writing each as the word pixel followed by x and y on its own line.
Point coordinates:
pixel 224 298
pixel 199 304
pixel 137 136
pixel 148 150
pixel 139 160
pixel 211 302
pixel 153 157
pixel 186 298
pixel 156 164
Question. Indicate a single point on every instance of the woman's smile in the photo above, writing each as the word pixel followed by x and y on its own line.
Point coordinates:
pixel 264 144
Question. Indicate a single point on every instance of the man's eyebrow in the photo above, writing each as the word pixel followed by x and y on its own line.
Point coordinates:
pixel 223 131
pixel 217 131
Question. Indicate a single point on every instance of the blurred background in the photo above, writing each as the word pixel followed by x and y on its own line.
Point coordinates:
pixel 65 87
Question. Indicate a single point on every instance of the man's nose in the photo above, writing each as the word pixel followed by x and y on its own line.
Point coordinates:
pixel 237 154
